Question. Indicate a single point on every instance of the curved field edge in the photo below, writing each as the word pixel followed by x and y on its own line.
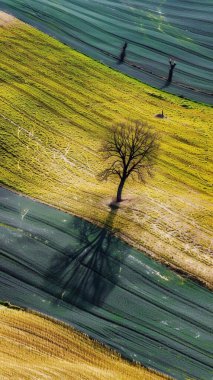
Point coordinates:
pixel 41 346
pixel 56 108
pixel 155 31
pixel 73 270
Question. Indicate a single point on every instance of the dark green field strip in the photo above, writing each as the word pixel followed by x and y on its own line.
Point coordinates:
pixel 72 270
pixel 155 31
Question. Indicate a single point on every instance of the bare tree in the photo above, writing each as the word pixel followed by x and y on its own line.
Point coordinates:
pixel 131 150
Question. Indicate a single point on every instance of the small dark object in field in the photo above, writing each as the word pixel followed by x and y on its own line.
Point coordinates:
pixel 123 53
pixel 157 96
pixel 160 115
pixel 172 66
pixel 188 106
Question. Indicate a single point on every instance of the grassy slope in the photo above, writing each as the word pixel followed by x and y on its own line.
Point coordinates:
pixel 42 348
pixel 56 107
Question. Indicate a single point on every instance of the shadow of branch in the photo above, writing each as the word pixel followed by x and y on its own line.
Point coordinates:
pixel 85 276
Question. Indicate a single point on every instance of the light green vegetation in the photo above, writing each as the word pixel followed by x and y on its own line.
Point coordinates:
pixel 56 109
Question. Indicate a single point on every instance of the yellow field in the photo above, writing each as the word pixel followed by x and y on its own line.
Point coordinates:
pixel 33 347
pixel 56 109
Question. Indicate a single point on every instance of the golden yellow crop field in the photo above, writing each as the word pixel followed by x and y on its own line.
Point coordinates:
pixel 56 108
pixel 36 347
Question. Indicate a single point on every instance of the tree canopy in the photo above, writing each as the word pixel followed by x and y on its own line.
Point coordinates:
pixel 131 149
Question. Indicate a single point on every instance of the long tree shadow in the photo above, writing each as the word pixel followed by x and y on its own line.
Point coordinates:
pixel 86 272
pixel 166 84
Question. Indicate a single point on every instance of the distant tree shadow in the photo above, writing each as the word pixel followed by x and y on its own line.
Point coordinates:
pixel 165 85
pixel 122 54
pixel 172 65
pixel 86 274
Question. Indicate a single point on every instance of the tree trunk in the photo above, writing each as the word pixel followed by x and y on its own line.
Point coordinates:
pixel 170 75
pixel 171 72
pixel 120 188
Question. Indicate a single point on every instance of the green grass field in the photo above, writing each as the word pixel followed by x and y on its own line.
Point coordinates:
pixel 56 108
